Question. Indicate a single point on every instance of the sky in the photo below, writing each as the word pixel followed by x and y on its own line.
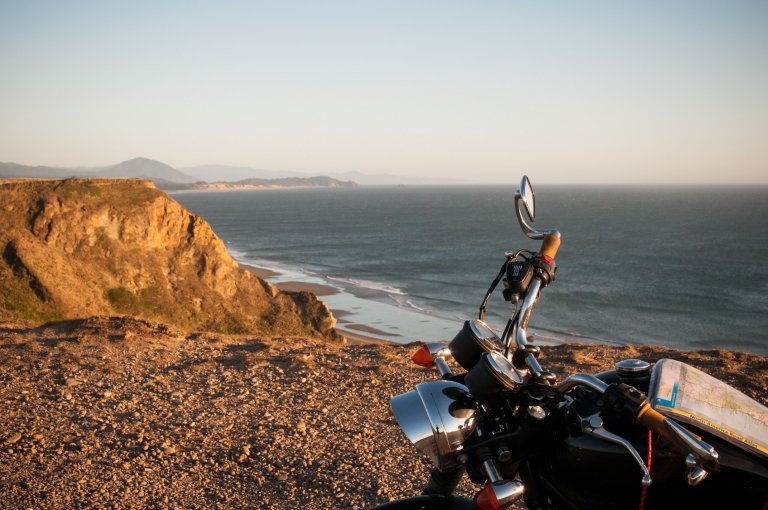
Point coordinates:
pixel 568 92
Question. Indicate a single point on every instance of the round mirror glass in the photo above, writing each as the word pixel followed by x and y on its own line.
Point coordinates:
pixel 528 197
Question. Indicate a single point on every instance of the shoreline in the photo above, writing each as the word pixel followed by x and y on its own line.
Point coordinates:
pixel 247 187
pixel 353 337
pixel 291 286
pixel 380 329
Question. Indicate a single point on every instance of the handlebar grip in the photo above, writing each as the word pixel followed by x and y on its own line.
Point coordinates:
pixel 650 418
pixel 704 454
pixel 550 245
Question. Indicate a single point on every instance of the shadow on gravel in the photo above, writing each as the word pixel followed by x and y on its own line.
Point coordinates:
pixel 243 356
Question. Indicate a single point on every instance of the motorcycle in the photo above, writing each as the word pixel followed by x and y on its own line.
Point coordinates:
pixel 613 440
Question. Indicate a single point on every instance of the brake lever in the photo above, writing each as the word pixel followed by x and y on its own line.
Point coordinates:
pixel 593 426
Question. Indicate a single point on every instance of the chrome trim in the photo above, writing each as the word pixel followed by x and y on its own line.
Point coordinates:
pixel 503 370
pixel 524 314
pixel 590 381
pixel 438 349
pixel 537 412
pixel 485 336
pixel 694 473
pixel 409 412
pixel 528 197
pixel 521 198
pixel 593 426
pixel 632 366
pixel 507 492
pixel 533 365
pixel 433 422
pixel 491 471
pixel 702 452
pixel 442 367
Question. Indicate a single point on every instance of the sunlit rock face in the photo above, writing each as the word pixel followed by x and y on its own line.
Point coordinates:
pixel 79 247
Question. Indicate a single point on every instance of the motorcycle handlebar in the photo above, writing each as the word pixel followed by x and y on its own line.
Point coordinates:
pixel 705 454
pixel 551 244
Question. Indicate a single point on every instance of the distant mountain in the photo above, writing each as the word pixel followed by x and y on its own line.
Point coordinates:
pixel 247 184
pixel 167 177
pixel 143 167
pixel 8 170
pixel 218 173
pixel 137 167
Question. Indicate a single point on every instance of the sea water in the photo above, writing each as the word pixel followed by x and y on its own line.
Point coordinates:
pixel 682 267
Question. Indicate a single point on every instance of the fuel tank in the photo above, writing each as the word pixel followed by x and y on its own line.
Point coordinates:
pixel 583 472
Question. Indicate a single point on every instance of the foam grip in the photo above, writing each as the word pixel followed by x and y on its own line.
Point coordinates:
pixel 550 245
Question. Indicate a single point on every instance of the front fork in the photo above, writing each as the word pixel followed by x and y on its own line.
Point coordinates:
pixel 444 483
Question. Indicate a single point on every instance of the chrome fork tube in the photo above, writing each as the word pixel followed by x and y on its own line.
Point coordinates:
pixel 521 336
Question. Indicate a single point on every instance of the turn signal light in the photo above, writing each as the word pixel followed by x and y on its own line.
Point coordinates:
pixel 486 498
pixel 422 357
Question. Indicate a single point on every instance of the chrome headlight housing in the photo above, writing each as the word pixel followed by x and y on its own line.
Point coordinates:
pixel 437 417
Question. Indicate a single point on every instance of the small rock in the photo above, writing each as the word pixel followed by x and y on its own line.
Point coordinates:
pixel 107 394
pixel 13 438
pixel 169 450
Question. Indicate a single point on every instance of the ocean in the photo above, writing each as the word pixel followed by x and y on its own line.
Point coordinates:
pixel 675 266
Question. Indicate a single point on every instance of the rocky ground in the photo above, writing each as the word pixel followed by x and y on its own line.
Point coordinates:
pixel 117 413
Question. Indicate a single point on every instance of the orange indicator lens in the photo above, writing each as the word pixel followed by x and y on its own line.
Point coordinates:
pixel 486 498
pixel 422 357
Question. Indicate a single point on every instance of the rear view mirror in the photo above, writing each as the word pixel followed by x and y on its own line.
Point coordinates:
pixel 525 199
pixel 528 197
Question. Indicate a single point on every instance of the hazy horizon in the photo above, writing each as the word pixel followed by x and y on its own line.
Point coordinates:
pixel 591 92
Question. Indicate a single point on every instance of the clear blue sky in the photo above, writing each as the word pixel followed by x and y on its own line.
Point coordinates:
pixel 608 91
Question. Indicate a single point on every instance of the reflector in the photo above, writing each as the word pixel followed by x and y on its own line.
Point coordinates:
pixel 486 498
pixel 422 357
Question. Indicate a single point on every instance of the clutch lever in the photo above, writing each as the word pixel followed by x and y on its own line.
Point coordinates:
pixel 593 426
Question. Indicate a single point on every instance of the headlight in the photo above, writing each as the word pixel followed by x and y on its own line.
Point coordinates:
pixel 437 417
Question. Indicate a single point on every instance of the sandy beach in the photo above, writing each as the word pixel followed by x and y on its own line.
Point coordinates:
pixel 296 286
pixel 357 336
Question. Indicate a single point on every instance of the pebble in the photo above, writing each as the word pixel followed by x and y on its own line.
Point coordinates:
pixel 13 438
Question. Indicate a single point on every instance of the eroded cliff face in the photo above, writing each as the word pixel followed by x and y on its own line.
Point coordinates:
pixel 80 247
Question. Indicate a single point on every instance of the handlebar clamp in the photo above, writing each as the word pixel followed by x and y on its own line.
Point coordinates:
pixel 545 268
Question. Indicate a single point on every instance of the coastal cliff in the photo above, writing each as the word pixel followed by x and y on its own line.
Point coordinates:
pixel 81 247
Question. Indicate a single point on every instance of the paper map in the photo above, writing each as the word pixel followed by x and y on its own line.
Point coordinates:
pixel 689 395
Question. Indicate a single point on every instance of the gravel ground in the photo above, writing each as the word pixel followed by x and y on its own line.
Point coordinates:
pixel 117 413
